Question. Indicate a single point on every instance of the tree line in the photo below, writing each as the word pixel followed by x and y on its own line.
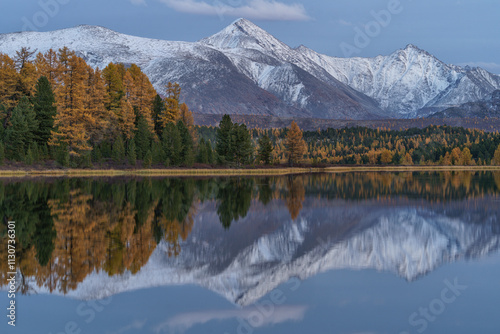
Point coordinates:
pixel 56 107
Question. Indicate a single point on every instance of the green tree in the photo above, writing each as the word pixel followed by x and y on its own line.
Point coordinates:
pixel 158 111
pixel 148 159
pixel 142 138
pixel 187 152
pixel 118 152
pixel 202 156
pixel 223 144
pixel 172 145
pixel 131 152
pixel 242 145
pixel 17 134
pixel 265 149
pixel 45 110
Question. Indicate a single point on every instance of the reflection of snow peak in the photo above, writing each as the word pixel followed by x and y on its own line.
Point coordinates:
pixel 408 242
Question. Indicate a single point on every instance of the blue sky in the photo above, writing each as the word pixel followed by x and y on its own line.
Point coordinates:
pixel 456 31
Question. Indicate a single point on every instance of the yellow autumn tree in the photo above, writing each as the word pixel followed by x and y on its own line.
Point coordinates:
pixel 295 146
pixel 71 119
pixel 171 113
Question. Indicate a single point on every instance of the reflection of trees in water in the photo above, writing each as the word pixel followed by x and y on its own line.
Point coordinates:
pixel 296 195
pixel 69 228
pixel 234 198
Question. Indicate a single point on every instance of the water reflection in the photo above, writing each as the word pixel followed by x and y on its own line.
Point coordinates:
pixel 242 236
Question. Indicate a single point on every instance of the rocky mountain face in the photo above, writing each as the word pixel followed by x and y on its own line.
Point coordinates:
pixel 244 70
pixel 267 248
pixel 481 109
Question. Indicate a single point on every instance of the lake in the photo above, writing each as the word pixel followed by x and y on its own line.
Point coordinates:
pixel 339 253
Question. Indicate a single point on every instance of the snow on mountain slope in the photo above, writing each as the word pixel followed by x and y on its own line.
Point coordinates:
pixel 266 248
pixel 408 80
pixel 245 70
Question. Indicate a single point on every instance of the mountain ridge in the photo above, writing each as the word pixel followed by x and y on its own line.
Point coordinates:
pixel 244 70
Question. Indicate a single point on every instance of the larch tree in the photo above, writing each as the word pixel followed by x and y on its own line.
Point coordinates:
pixel 295 146
pixel 113 82
pixel 8 82
pixel 171 112
pixel 71 119
pixel 186 116
pixel 496 157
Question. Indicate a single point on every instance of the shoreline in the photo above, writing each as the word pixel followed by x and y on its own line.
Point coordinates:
pixel 235 172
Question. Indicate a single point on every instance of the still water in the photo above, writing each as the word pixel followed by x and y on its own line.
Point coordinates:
pixel 328 253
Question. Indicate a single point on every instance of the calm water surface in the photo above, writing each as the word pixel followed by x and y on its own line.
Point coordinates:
pixel 340 253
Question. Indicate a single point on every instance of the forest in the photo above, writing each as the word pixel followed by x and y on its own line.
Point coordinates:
pixel 56 111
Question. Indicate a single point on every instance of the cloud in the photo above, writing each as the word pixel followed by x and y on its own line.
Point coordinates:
pixel 255 9
pixel 491 67
pixel 135 325
pixel 252 315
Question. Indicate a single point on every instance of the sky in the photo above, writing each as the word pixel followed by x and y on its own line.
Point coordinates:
pixel 461 32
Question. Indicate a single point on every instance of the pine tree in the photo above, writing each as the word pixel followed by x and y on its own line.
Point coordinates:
pixel 148 159
pixel 172 145
pixel 223 146
pixel 265 149
pixel 242 145
pixel 210 153
pixel 202 156
pixel 131 152
pixel 142 138
pixel 118 150
pixel 45 110
pixel 19 135
pixel 158 110
pixel 186 154
pixel 295 145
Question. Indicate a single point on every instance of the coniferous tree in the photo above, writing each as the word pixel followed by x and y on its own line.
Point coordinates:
pixel 131 152
pixel 118 150
pixel 202 156
pixel 242 145
pixel 172 145
pixel 45 110
pixel 142 138
pixel 17 134
pixel 148 159
pixel 223 145
pixel 186 154
pixel 295 145
pixel 265 149
pixel 158 110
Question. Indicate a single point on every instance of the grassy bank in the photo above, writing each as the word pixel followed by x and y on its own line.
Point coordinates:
pixel 233 172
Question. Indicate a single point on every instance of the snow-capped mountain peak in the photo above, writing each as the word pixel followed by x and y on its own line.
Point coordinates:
pixel 243 34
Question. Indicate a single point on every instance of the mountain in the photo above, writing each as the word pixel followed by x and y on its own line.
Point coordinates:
pixel 480 109
pixel 267 248
pixel 244 70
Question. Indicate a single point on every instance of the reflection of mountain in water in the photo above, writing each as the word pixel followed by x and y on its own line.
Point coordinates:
pixel 267 248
